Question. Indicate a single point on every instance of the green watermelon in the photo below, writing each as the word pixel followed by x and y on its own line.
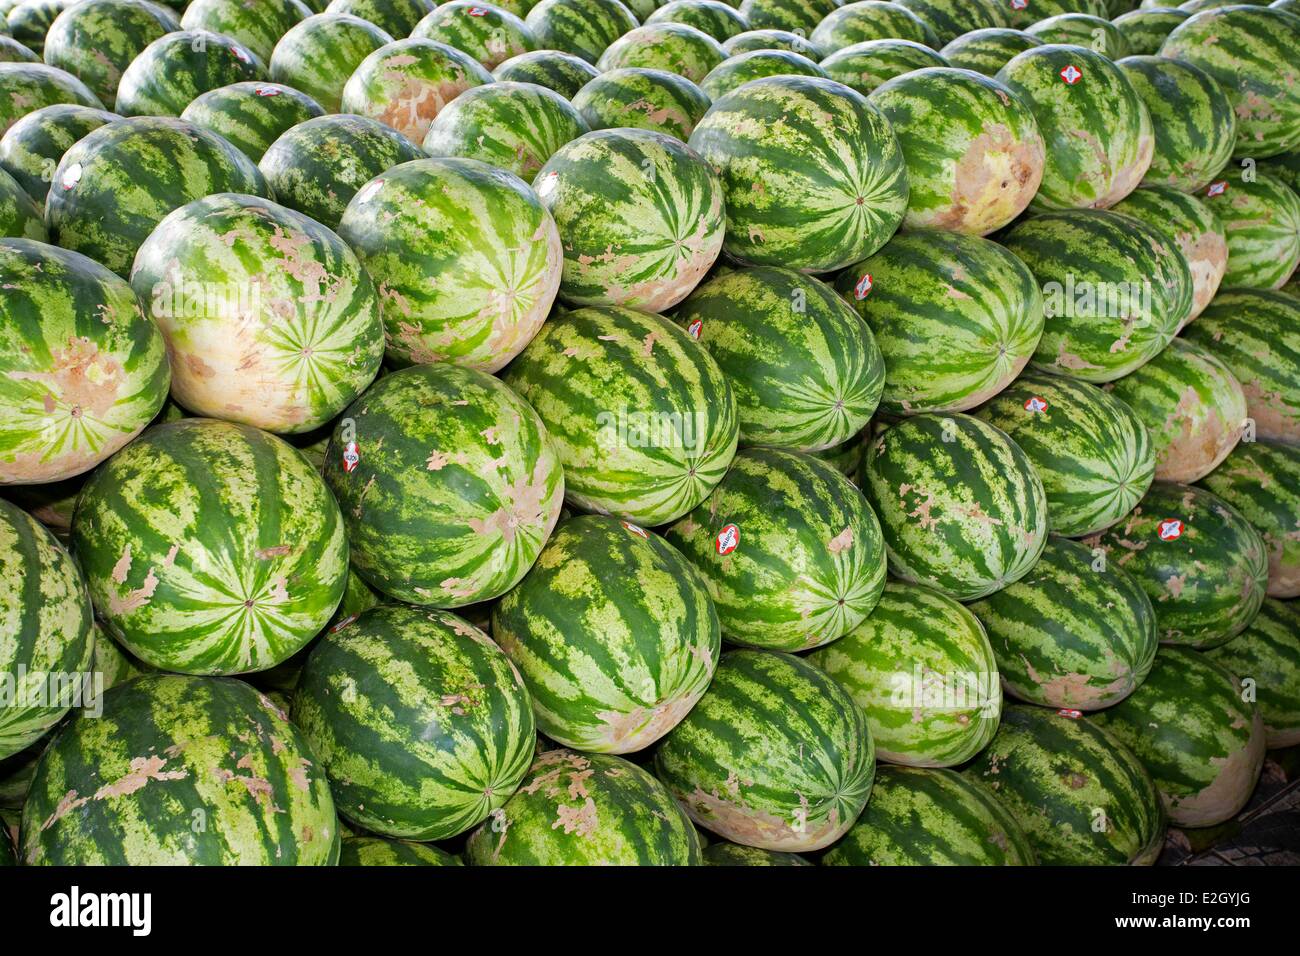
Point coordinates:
pixel 1096 33
pixel 846 457
pixel 1145 30
pixel 919 817
pixel 29 21
pixel 20 216
pixel 174 69
pixel 1191 727
pixel 792 554
pixel 797 16
pixel 318 55
pixel 656 100
pixel 110 662
pixel 1023 14
pixel 422 724
pixel 1261 479
pixel 1268 654
pixel 96 40
pixel 949 19
pixel 1091 450
pixel 775 755
pixel 814 176
pixel 614 633
pixel 962 508
pixel 180 770
pixel 11 51
pixel 584 28
pixel 1115 290
pixel 7 856
pixel 485 32
pixel 870 20
pixel 376 851
pixel 640 413
pixel 1080 796
pixel 1285 167
pixel 395 17
pixel 1204 568
pixel 82 371
pixel 258 26
pixel 31 150
pixel 956 318
pixel 251 116
pixel 740 69
pixel 317 166
pixel 586 810
pixel 674 47
pixel 1244 48
pixel 562 72
pixel 1261 218
pixel 989 50
pixel 48 643
pixel 771 40
pixel 865 66
pixel 26 87
pixel 921 668
pixel 734 854
pixel 717 19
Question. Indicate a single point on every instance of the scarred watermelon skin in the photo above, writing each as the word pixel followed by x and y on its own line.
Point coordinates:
pixel 31 150
pixel 20 217
pixel 674 47
pixel 719 20
pixel 97 39
pixel 1082 29
pixel 1268 653
pixel 921 668
pixel 25 87
pixel 130 787
pixel 376 851
pixel 319 54
pixel 396 17
pixel 584 28
pixel 489 34
pixel 643 99
pixel 258 26
pixel 251 116
pixel 177 67
pixel 562 72
pixel 1145 30
pixel 989 50
pixel 740 69
pixel 870 20
pixel 867 65
pixel 775 755
pixel 1261 219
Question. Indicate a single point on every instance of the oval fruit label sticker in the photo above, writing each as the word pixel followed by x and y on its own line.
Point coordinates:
pixel 636 530
pixel 863 287
pixel 351 457
pixel 1170 530
pixel 728 540
pixel 1035 404
pixel 695 328
pixel 1072 714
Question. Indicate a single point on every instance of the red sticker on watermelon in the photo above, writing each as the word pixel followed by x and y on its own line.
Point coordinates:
pixel 1217 189
pixel 478 11
pixel 343 623
pixel 695 328
pixel 1170 530
pixel 1071 75
pixel 1035 404
pixel 351 457
pixel 728 540
pixel 1072 714
pixel 636 530
pixel 863 287
pixel 267 91
pixel 240 54
pixel 1019 4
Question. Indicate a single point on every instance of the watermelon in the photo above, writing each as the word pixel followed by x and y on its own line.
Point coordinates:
pixel 1195 127
pixel 562 72
pixel 177 67
pixel 1204 568
pixel 870 20
pixel 26 87
pixel 1242 48
pixel 46 654
pixel 578 809
pixel 584 28
pixel 832 176
pixel 734 854
pixel 792 554
pixel 50 503
pixel 1091 450
pixel 640 413
pixel 1257 335
pixel 485 32
pixel 318 55
pixel 317 166
pixel 96 40
pixel 641 217
pixel 1261 480
pixel 775 755
pixel 251 116
pixel 1080 796
pixel 270 319
pixel 949 19
pixel 395 17
pixel 1115 290
pixel 989 50
pixel 1261 218
pixel 7 856
pixel 376 851
pixel 1285 167
pixel 674 47
pixel 865 66
pixel 258 26
pixel 614 633
pixel 11 51
pixel 797 16
pixel 656 100
pixel 919 817
pixel 513 126
pixel 740 69
pixel 180 770
pixel 846 457
pixel 806 372
pixel 20 217
pixel 921 668
pixel 771 40
pixel 1268 654
pixel 29 21
pixel 1082 29
pixel 110 662
pixel 423 726
pixel 962 509
pixel 32 148
pixel 1023 14
pixel 83 371
pixel 956 317
pixel 717 19
pixel 1145 30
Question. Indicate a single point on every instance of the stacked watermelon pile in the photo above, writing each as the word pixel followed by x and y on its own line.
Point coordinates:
pixel 624 432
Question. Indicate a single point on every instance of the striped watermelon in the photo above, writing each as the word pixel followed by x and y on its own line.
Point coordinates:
pixel 210 548
pixel 1080 796
pixel 177 67
pixel 796 16
pixel 258 26
pixel 865 66
pixel 740 69
pixel 614 633
pixel 949 19
pixel 956 317
pixel 1268 653
pixel 251 116
pixel 734 854
pixel 32 148
pixel 643 99
pixel 870 20
pixel 674 47
pixel 832 174
pixel 26 87
pixel 586 810
pixel 989 50
pixel 640 414
pixel 395 17
pixel 423 726
pixel 771 40
pixel 921 668
pixel 1115 290
pixel 96 40
pixel 7 855
pixel 82 371
pixel 180 770
pixel 1202 565
pixel 584 28
pixel 319 54
pixel 485 32
pixel 30 20
pixel 11 51
pixel 1257 335
pixel 775 755
pixel 48 642
pixel 449 485
pixel 922 817
pixel 719 20
pixel 806 372
pixel 1145 30
pixel 1091 451
pixel 376 851
pixel 1022 15
pixel 1261 480
pixel 287 358
pixel 1074 632
pixel 846 457
pixel 792 554
pixel 1261 218
pixel 1201 742
pixel 114 186
pixel 562 72
pixel 1096 33
pixel 20 217
pixel 641 217
pixel 961 507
